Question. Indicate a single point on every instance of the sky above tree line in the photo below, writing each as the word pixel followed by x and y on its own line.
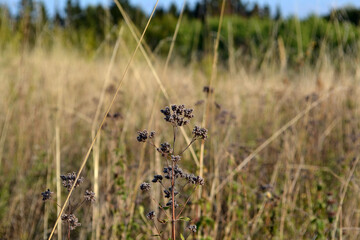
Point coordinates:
pixel 301 8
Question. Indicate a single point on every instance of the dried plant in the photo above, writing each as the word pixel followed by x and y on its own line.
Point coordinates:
pixel 69 217
pixel 172 175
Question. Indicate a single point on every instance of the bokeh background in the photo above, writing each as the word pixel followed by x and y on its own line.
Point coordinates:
pixel 276 83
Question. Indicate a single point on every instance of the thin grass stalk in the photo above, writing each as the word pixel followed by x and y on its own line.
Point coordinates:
pixel 231 49
pixel 284 203
pixel 4 133
pixel 208 99
pixel 58 156
pixel 178 23
pixel 96 152
pixel 46 208
pixel 103 121
pixel 58 180
pixel 157 78
pixel 96 209
pixel 342 197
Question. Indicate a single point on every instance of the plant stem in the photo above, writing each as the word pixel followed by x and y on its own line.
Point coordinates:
pixel 173 202
pixel 192 141
pixel 68 231
pixel 157 229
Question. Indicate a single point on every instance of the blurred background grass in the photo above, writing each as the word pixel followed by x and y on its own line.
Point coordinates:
pixel 302 185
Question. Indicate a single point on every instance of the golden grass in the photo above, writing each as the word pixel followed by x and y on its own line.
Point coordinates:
pixel 297 130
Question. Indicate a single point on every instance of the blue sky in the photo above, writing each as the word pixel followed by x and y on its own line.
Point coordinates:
pixel 302 8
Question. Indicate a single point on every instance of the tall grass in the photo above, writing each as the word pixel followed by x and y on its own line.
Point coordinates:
pixel 281 163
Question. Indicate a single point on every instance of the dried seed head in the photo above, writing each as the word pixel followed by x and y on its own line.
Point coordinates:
pixel 151 215
pixel 208 90
pixel 142 136
pixel 200 133
pixel 178 115
pixel 164 149
pixel 46 195
pixel 157 178
pixel 69 179
pixel 71 219
pixel 169 204
pixel 167 193
pixel 192 228
pixel 145 187
pixel 192 179
pixel 200 180
pixel 178 172
pixel 176 158
pixel 152 134
pixel 89 196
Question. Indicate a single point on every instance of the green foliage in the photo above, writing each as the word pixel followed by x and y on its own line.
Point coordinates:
pixel 254 34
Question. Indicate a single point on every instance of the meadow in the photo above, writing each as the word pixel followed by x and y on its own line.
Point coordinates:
pixel 280 161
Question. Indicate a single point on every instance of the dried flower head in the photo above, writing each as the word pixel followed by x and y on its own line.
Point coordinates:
pixel 152 134
pixel 145 187
pixel 69 179
pixel 71 219
pixel 176 158
pixel 178 172
pixel 142 136
pixel 208 90
pixel 164 149
pixel 169 203
pixel 195 179
pixel 168 192
pixel 200 133
pixel 89 196
pixel 151 215
pixel 192 228
pixel 46 195
pixel 178 115
pixel 157 178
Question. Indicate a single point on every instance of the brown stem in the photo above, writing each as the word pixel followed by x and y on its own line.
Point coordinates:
pixel 173 202
pixel 68 231
pixel 157 229
pixel 174 130
pixel 192 141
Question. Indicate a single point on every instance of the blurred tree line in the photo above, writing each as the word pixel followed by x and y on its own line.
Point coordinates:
pixel 249 30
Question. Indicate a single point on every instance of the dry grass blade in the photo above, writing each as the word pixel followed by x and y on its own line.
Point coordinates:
pixel 104 118
pixel 174 37
pixel 209 96
pixel 155 74
pixel 274 136
pixel 343 194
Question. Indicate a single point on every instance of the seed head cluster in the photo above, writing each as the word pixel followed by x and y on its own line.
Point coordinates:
pixel 144 135
pixel 69 179
pixel 145 187
pixel 157 178
pixel 200 133
pixel 172 174
pixel 176 158
pixel 165 149
pixel 71 219
pixel 151 215
pixel 46 195
pixel 178 115
pixel 89 196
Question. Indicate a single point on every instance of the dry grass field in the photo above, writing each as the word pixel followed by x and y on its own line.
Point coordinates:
pixel 280 162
